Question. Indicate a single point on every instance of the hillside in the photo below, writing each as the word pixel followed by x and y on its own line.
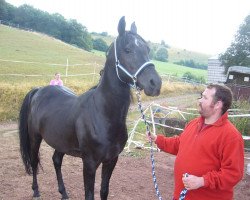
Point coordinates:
pixel 39 50
pixel 30 59
pixel 19 45
pixel 174 54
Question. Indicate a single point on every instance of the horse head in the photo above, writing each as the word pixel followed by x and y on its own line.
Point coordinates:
pixel 133 65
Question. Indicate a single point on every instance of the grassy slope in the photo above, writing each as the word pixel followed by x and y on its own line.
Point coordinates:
pixel 174 54
pixel 21 45
pixel 28 46
pixel 170 68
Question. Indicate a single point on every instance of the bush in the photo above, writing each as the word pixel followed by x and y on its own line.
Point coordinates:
pixel 100 45
pixel 162 55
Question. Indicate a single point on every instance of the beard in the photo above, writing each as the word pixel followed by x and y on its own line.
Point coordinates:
pixel 205 111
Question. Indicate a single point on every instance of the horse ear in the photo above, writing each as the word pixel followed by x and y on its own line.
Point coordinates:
pixel 121 26
pixel 133 28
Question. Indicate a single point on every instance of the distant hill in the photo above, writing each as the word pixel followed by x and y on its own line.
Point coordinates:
pixel 174 54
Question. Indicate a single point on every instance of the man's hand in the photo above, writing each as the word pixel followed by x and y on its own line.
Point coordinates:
pixel 151 136
pixel 193 182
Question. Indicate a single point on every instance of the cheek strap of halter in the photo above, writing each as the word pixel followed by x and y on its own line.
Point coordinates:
pixel 133 77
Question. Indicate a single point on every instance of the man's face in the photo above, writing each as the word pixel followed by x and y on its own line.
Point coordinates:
pixel 206 103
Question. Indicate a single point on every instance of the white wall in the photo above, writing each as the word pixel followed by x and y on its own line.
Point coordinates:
pixel 215 71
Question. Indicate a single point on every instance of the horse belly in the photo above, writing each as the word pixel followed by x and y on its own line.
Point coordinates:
pixel 63 142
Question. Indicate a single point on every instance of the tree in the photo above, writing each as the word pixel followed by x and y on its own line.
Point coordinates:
pixel 162 55
pixel 238 54
pixel 190 76
pixel 163 43
pixel 100 45
pixel 3 10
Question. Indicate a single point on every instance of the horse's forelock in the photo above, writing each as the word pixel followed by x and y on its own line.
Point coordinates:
pixel 124 39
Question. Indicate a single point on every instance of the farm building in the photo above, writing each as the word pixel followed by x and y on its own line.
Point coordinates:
pixel 215 71
pixel 238 79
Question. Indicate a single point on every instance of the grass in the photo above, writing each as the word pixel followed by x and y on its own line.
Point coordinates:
pixel 42 56
pixel 176 54
pixel 177 70
pixel 44 51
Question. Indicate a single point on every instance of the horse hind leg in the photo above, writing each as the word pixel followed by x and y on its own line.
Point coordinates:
pixel 57 160
pixel 34 164
pixel 107 170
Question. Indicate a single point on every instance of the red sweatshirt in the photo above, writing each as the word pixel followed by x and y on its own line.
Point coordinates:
pixel 215 152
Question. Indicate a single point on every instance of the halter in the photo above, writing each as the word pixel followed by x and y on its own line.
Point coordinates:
pixel 134 76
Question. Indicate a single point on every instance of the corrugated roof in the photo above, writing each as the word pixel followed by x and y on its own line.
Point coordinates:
pixel 240 69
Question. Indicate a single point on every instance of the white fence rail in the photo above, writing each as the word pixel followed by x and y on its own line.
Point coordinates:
pixel 66 65
pixel 151 110
pixel 166 77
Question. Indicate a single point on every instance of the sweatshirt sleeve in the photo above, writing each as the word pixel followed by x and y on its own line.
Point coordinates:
pixel 168 144
pixel 232 166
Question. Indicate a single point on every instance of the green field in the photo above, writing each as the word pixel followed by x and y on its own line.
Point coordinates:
pixel 30 53
pixel 29 59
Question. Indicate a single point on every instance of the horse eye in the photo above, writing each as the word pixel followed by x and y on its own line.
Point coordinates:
pixel 127 50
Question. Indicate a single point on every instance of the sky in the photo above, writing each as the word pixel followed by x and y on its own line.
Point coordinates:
pixel 205 26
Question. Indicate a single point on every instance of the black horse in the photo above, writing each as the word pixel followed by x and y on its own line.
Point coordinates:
pixel 91 126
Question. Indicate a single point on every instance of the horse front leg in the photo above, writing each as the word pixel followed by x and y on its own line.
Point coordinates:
pixel 89 172
pixel 107 170
pixel 57 160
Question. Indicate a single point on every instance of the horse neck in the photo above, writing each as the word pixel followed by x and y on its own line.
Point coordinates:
pixel 112 88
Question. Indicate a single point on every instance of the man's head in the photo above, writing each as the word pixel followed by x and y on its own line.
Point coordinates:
pixel 215 99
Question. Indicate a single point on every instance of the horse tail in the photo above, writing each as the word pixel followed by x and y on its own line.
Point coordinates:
pixel 25 148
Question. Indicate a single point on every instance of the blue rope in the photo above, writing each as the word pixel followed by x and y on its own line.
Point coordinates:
pixel 153 171
pixel 151 146
pixel 183 194
pixel 184 191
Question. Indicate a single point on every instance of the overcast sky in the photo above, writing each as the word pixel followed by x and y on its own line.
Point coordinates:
pixel 206 26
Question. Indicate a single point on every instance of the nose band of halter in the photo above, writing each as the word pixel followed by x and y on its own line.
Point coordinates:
pixel 133 77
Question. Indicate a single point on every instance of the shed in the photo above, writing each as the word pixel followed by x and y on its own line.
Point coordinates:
pixel 238 79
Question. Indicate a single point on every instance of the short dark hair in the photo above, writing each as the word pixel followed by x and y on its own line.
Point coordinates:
pixel 224 94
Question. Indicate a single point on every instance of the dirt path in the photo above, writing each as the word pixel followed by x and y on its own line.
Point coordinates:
pixel 131 180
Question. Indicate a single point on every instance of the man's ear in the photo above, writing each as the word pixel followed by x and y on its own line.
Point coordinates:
pixel 219 105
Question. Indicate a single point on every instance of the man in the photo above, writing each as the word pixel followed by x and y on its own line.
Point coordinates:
pixel 210 150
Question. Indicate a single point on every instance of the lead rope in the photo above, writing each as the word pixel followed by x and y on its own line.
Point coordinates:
pixel 184 191
pixel 138 95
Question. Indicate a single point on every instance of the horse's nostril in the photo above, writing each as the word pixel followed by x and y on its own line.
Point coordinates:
pixel 152 82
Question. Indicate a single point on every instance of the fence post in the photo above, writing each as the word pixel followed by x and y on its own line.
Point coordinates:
pixel 66 71
pixel 94 72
